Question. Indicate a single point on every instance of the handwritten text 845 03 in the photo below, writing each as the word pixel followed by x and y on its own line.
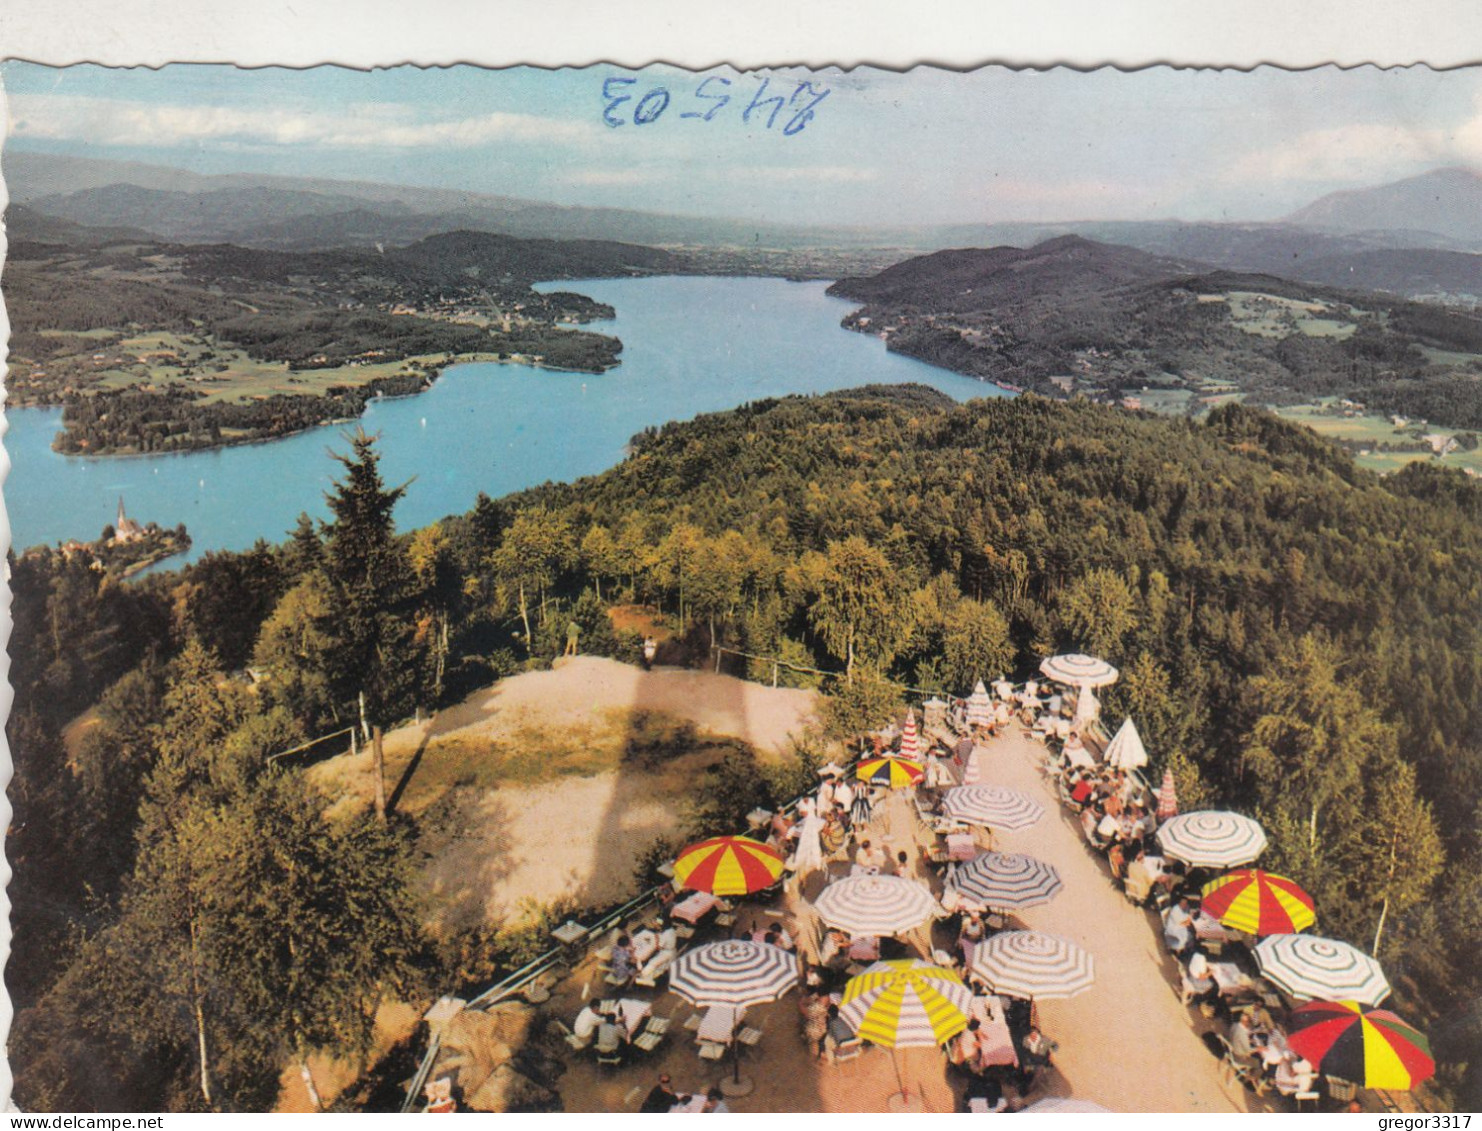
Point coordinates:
pixel 791 104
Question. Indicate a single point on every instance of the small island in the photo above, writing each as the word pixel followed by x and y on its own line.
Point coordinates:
pixel 127 546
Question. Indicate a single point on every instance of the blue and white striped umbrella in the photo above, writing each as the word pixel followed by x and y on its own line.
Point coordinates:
pixel 736 972
pixel 1032 965
pixel 1006 880
pixel 1079 670
pixel 1312 967
pixel 875 905
pixel 992 805
pixel 1212 838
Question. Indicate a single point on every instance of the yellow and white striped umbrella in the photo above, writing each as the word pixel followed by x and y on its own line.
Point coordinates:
pixel 906 1003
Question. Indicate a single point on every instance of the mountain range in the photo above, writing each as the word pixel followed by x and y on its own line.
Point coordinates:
pixel 1416 238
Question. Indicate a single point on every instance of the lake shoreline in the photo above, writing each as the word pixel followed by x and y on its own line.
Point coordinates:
pixel 431 376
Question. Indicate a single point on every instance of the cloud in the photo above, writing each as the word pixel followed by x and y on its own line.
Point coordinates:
pixel 820 174
pixel 102 121
pixel 611 176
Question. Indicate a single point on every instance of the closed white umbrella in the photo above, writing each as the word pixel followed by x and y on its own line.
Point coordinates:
pixel 1006 881
pixel 1029 964
pixel 1125 750
pixel 1086 707
pixel 992 805
pixel 1312 967
pixel 1079 670
pixel 875 905
pixel 1212 838
pixel 979 707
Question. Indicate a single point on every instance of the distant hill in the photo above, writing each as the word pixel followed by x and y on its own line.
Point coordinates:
pixel 1409 272
pixel 1074 315
pixel 23 224
pixel 969 279
pixel 1447 202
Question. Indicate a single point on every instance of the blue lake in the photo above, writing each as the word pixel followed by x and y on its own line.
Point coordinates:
pixel 690 345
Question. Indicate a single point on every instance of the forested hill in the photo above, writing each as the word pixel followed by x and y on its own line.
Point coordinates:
pixel 1298 639
pixel 1110 320
pixel 971 278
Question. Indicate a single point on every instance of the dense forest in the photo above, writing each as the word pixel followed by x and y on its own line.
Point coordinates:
pixel 1117 320
pixel 1298 639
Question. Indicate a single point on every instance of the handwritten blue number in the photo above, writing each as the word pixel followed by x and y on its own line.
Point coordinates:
pixel 614 100
pixel 642 117
pixel 757 102
pixel 805 115
pixel 719 99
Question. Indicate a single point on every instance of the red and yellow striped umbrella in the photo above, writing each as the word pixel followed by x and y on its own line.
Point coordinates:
pixel 728 865
pixel 1259 903
pixel 1369 1047
pixel 897 773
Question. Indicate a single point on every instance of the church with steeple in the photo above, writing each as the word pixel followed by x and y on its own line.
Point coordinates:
pixel 125 529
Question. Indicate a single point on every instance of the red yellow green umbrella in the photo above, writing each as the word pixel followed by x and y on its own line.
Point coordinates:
pixel 1369 1047
pixel 897 773
pixel 728 865
pixel 1259 903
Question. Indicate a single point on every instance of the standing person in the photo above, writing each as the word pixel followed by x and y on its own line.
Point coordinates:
pixel 815 1021
pixel 650 650
pixel 660 1099
pixel 573 633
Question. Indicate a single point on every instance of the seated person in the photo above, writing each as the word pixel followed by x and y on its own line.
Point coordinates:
pixel 1108 829
pixel 835 945
pixel 903 864
pixel 1081 791
pixel 1201 981
pixel 963 1049
pixel 833 835
pixel 1036 1049
pixel 612 1034
pixel 1245 1042
pixel 660 1099
pixel 1142 875
pixel 870 857
pixel 984 1093
pixel 782 828
pixel 1178 927
pixel 777 936
pixel 1116 857
pixel 973 932
pixel 624 960
pixel 838 1031
pixel 586 1024
pixel 1294 1075
pixel 1090 818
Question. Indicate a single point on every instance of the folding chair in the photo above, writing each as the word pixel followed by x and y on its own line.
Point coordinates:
pixel 847 1050
pixel 712 1050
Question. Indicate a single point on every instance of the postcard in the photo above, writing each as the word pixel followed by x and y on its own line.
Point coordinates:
pixel 761 590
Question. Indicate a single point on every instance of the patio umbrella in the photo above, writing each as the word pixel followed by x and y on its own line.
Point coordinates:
pixel 1079 670
pixel 1063 1105
pixel 992 805
pixel 1032 965
pixel 906 1003
pixel 1259 903
pixel 979 707
pixel 1309 966
pixel 910 744
pixel 736 973
pixel 897 773
pixel 1369 1047
pixel 1212 838
pixel 728 865
pixel 1167 798
pixel 1006 881
pixel 1125 750
pixel 875 905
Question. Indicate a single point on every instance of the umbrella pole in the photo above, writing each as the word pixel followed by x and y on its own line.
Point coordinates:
pixel 902 1100
pixel 737 1085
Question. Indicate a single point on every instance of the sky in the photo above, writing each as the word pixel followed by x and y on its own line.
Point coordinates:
pixel 878 148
